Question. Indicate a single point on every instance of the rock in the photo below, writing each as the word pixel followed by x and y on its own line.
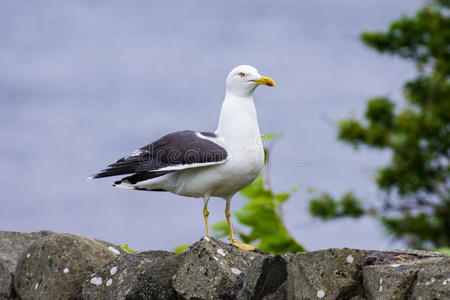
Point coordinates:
pixel 54 267
pixel 433 281
pixel 325 274
pixel 387 257
pixel 144 275
pixel 210 270
pixel 392 281
pixel 265 279
pixel 12 246
pixel 66 266
pixel 391 275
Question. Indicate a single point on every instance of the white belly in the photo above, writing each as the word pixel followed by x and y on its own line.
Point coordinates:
pixel 238 133
pixel 220 180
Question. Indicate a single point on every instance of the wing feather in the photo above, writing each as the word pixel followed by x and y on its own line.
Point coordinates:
pixel 173 152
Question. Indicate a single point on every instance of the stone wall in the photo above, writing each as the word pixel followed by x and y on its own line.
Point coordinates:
pixel 45 265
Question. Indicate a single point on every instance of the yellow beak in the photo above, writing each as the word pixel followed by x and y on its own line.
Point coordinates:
pixel 265 80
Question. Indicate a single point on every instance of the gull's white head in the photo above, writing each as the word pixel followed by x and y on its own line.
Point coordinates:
pixel 244 79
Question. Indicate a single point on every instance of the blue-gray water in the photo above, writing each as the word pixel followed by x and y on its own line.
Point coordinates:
pixel 84 82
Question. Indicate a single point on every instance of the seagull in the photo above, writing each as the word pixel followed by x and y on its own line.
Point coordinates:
pixel 204 164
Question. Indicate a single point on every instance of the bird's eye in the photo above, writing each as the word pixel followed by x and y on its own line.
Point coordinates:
pixel 242 74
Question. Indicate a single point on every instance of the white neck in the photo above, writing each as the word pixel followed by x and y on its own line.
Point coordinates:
pixel 238 122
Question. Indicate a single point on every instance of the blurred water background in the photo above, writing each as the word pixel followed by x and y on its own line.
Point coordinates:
pixel 83 83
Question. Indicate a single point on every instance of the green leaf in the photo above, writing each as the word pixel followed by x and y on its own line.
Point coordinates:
pixel 267 137
pixel 443 250
pixel 181 248
pixel 126 248
pixel 323 206
pixel 261 213
pixel 351 206
pixel 352 132
pixel 281 198
pixel 326 207
pixel 220 229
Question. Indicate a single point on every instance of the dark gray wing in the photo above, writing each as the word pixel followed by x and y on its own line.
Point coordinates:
pixel 173 152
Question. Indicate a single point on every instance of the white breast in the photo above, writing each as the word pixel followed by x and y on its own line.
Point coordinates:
pixel 239 132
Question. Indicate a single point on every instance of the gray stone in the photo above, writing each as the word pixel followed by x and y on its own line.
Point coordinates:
pixel 212 269
pixel 418 254
pixel 393 280
pixel 325 274
pixel 55 267
pixel 433 281
pixel 386 257
pixel 265 279
pixel 391 274
pixel 144 275
pixel 12 245
pixel 65 266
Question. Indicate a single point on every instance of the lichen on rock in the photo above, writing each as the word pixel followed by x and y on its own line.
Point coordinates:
pixel 12 245
pixel 211 270
pixel 45 265
pixel 41 274
pixel 143 275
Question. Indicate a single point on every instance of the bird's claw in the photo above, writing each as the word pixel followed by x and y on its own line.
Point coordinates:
pixel 242 246
pixel 400 257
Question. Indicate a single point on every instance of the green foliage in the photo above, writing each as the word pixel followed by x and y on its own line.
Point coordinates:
pixel 417 180
pixel 326 207
pixel 352 131
pixel 262 214
pixel 423 38
pixel 180 249
pixel 414 226
pixel 444 250
pixel 381 121
pixel 220 229
pixel 323 206
pixel 268 137
pixel 126 248
pixel 350 205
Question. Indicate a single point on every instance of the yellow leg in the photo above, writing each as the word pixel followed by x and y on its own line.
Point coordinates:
pixel 233 241
pixel 228 216
pixel 206 214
